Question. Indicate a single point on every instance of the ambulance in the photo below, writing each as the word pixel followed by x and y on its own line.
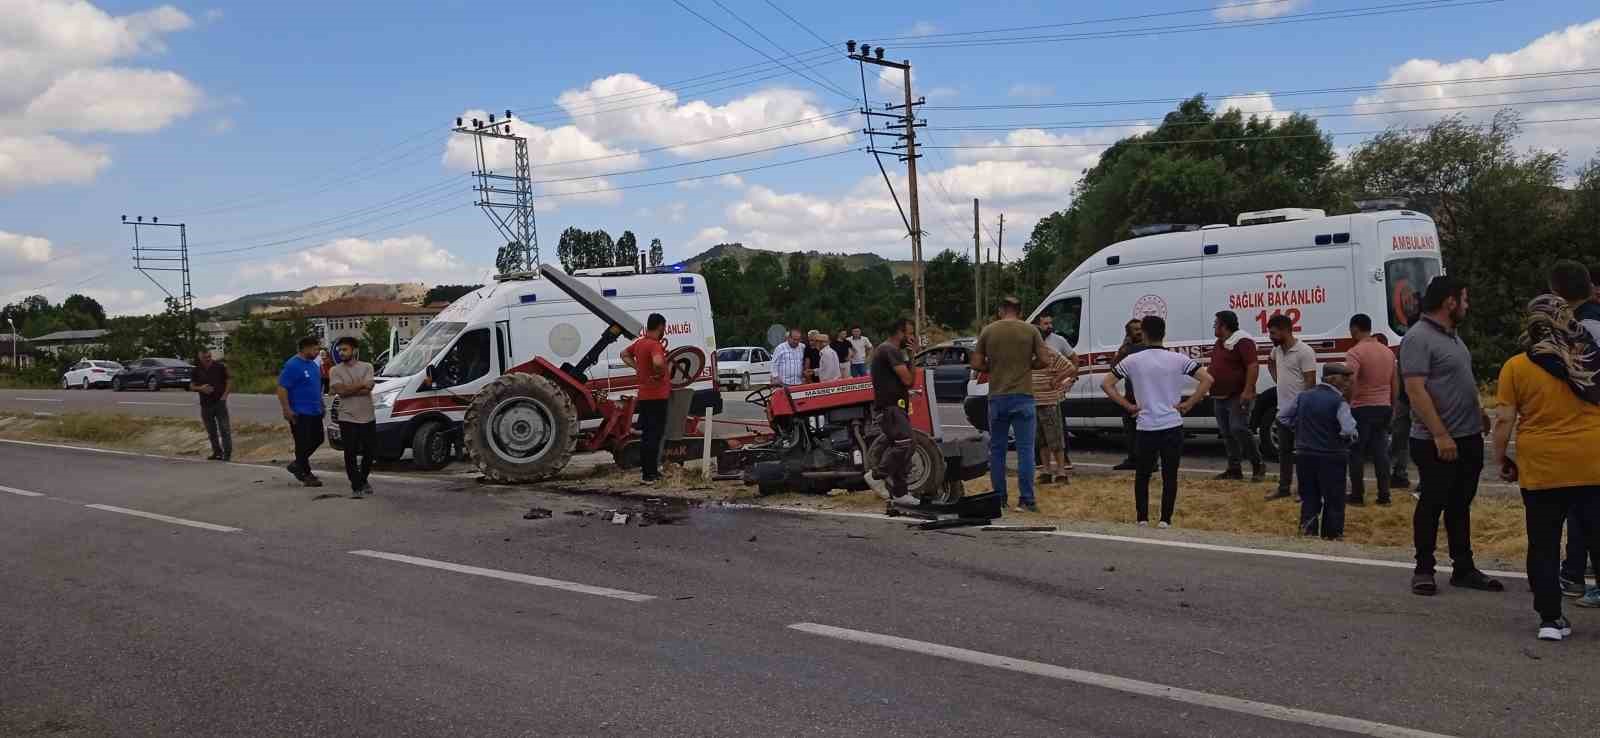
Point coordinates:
pixel 502 328
pixel 1317 269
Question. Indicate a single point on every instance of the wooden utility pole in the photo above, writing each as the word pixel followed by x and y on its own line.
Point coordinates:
pixel 906 120
pixel 977 268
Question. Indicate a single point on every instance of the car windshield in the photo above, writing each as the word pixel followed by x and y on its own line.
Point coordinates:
pixel 422 349
pixel 170 362
pixel 733 354
pixel 1406 279
pixel 107 364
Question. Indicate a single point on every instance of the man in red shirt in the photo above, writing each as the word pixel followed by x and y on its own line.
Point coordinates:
pixel 1234 369
pixel 648 357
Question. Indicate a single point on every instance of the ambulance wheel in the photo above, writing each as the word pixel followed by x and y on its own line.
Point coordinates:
pixel 520 428
pixel 430 447
pixel 925 474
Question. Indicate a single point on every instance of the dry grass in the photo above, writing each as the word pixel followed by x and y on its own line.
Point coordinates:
pixel 174 436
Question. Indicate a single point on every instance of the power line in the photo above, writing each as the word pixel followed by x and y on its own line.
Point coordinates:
pixel 329 231
pixel 372 232
pixel 703 176
pixel 715 139
pixel 822 79
pixel 450 181
pixel 762 52
pixel 698 161
pixel 825 42
pixel 1065 24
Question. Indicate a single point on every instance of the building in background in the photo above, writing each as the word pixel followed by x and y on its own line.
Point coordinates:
pixel 349 316
pixel 83 342
pixel 215 335
pixel 12 344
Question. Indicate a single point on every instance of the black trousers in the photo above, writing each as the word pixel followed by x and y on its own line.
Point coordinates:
pixel 218 427
pixel 360 440
pixel 1372 444
pixel 1285 457
pixel 1448 487
pixel 1322 494
pixel 1546 510
pixel 653 431
pixel 1577 547
pixel 893 465
pixel 1166 445
pixel 307 430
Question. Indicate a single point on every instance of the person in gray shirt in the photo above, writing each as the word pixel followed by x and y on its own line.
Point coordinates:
pixel 1446 435
pixel 352 380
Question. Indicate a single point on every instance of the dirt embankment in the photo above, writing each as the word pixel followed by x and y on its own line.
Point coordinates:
pixel 252 442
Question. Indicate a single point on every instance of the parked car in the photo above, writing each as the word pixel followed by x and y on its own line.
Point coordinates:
pixel 743 367
pixel 948 361
pixel 89 373
pixel 153 374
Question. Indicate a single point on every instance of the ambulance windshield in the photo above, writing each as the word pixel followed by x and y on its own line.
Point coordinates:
pixel 422 349
pixel 1406 279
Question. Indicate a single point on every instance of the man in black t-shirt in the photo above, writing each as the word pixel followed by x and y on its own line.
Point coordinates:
pixel 891 384
pixel 211 381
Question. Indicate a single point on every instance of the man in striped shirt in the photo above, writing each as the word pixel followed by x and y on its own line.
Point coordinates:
pixel 788 361
pixel 1049 386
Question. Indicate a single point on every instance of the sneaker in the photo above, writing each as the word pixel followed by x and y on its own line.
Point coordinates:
pixel 1029 506
pixel 907 500
pixel 1355 501
pixel 1125 465
pixel 214 457
pixel 1384 502
pixel 1399 481
pixel 310 480
pixel 1230 474
pixel 1590 598
pixel 1474 579
pixel 1571 588
pixel 294 469
pixel 1554 630
pixel 1163 524
pixel 1144 524
pixel 1258 473
pixel 1416 496
pixel 1423 584
pixel 877 484
pixel 1278 495
pixel 357 493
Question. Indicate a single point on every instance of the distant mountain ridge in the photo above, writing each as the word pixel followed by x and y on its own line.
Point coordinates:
pixel 853 262
pixel 267 303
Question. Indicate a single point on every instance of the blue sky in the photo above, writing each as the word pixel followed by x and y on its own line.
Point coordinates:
pixel 324 125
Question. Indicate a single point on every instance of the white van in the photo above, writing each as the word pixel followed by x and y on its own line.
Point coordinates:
pixel 502 328
pixel 1319 270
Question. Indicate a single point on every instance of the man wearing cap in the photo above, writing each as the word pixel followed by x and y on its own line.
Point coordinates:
pixel 1324 429
pixel 827 358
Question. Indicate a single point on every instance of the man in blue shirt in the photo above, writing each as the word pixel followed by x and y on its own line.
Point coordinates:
pixel 300 396
pixel 1324 429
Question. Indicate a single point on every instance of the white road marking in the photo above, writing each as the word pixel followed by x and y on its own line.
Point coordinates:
pixel 35 399
pixel 90 449
pixel 509 576
pixel 23 492
pixel 1271 552
pixel 1253 708
pixel 166 518
pixel 164 404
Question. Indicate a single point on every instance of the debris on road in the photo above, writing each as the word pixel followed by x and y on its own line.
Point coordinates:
pixel 619 518
pixel 1020 528
pixel 538 513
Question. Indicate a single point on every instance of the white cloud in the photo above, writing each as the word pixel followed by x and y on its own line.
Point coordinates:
pixel 1243 10
pixel 547 148
pixel 1029 91
pixel 707 237
pixel 1254 103
pixel 411 258
pixel 20 250
pixel 921 28
pixel 55 54
pixel 1571 48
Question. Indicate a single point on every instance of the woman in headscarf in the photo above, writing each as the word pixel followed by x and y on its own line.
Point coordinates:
pixel 1548 393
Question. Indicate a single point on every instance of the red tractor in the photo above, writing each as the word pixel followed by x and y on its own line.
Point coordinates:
pixel 824 437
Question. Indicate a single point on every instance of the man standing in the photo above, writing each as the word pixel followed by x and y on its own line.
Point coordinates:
pixel 811 358
pixel 789 361
pixel 648 357
pixel 1009 350
pixel 860 347
pixel 1323 429
pixel 1057 407
pixel 300 397
pixel 1132 343
pixel 212 383
pixel 1574 283
pixel 1235 367
pixel 352 380
pixel 841 349
pixel 1293 364
pixel 1373 388
pixel 891 384
pixel 1158 377
pixel 827 360
pixel 1446 435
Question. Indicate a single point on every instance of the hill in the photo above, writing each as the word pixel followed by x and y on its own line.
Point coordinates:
pixel 853 262
pixel 264 303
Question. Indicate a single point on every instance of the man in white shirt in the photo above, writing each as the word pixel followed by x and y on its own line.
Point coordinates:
pixel 788 361
pixel 1294 370
pixel 1158 378
pixel 860 350
pixel 827 360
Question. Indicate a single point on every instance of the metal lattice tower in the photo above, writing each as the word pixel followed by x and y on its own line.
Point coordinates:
pixel 510 208
pixel 147 259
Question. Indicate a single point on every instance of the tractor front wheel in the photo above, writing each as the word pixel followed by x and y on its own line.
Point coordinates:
pixel 520 428
pixel 925 473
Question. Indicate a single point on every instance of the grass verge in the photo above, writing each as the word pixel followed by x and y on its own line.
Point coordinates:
pixel 170 436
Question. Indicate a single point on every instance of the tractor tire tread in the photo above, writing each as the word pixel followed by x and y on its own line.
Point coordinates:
pixel 524 385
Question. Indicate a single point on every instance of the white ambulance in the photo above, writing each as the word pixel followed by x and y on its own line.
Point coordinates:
pixel 502 328
pixel 1318 270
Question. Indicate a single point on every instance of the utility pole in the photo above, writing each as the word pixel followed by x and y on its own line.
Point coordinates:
pixel 1000 250
pixel 147 259
pixel 909 123
pixel 977 268
pixel 521 252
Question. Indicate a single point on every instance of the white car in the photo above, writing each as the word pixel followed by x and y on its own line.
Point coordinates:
pixel 743 367
pixel 89 373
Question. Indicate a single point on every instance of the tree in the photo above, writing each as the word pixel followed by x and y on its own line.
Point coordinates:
pixel 88 307
pixel 448 292
pixel 626 251
pixel 948 277
pixel 375 337
pixel 570 247
pixel 170 333
pixel 602 250
pixel 657 253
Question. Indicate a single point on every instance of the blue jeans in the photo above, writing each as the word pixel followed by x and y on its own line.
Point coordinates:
pixel 858 370
pixel 1012 416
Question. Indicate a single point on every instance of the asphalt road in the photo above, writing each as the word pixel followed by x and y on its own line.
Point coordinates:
pixel 248 607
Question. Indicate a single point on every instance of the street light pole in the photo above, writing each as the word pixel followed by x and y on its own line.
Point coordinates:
pixel 13 344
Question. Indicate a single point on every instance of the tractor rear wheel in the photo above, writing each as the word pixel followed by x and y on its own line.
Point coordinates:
pixel 520 428
pixel 925 473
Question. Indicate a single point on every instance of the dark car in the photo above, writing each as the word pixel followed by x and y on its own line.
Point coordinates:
pixel 153 374
pixel 948 361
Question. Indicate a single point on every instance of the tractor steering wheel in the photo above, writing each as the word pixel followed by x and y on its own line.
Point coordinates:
pixel 760 395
